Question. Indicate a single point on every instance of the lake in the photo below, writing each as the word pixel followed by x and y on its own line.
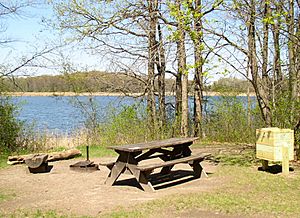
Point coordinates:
pixel 65 114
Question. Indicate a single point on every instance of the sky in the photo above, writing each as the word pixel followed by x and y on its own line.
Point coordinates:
pixel 30 34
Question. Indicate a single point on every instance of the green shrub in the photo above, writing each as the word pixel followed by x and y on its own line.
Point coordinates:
pixel 10 126
pixel 16 135
pixel 229 121
pixel 128 125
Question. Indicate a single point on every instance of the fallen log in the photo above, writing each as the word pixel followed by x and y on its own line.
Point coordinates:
pixel 53 156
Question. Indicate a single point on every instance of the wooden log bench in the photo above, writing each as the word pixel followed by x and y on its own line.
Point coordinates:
pixel 37 163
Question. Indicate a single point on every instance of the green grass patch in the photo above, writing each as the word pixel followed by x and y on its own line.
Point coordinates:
pixel 96 151
pixel 246 191
pixel 6 195
pixel 35 214
pixel 3 197
pixel 247 158
pixel 3 160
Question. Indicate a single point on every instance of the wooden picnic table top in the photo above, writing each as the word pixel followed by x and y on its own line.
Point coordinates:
pixel 153 144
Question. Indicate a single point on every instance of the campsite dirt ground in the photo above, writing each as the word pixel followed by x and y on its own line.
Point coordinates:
pixel 84 193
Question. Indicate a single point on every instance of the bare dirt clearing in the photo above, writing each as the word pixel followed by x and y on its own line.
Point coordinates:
pixel 78 193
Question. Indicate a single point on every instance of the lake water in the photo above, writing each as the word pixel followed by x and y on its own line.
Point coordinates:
pixel 65 114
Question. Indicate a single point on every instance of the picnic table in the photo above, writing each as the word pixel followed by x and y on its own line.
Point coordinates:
pixel 171 151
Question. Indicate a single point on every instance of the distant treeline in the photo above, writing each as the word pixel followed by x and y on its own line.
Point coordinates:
pixel 107 82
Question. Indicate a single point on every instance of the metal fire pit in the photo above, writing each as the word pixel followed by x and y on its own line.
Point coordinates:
pixel 86 165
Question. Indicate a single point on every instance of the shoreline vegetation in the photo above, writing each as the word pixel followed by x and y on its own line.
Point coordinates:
pixel 206 93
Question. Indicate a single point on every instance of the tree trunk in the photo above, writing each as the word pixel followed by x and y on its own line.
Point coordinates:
pixel 292 63
pixel 266 84
pixel 152 52
pixel 161 66
pixel 257 82
pixel 277 65
pixel 185 108
pixel 198 79
pixel 181 56
pixel 178 103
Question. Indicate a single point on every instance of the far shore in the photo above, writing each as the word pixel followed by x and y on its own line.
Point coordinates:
pixel 111 94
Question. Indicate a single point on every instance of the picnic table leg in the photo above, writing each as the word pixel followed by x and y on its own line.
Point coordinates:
pixel 198 169
pixel 166 170
pixel 144 182
pixel 141 177
pixel 115 173
pixel 118 168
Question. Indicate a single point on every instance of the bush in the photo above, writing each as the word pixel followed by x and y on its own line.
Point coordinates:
pixel 228 121
pixel 128 125
pixel 10 126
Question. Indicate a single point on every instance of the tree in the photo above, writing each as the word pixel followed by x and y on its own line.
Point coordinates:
pixel 126 30
pixel 266 30
pixel 152 54
pixel 10 126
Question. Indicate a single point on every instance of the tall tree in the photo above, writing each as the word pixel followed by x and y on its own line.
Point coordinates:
pixel 161 68
pixel 182 69
pixel 292 45
pixel 195 29
pixel 152 54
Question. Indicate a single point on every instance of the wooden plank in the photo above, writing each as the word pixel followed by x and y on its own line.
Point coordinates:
pixel 173 162
pixel 272 153
pixel 154 144
pixel 285 160
pixel 274 136
pixel 115 172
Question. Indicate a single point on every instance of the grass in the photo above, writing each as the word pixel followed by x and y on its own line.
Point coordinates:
pixel 249 192
pixel 3 197
pixel 6 195
pixel 246 191
pixel 96 151
pixel 34 214
pixel 3 160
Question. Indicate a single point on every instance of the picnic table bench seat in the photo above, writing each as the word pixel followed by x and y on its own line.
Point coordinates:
pixel 193 160
pixel 152 166
pixel 188 159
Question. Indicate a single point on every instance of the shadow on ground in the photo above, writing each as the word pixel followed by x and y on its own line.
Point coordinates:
pixel 274 169
pixel 162 181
